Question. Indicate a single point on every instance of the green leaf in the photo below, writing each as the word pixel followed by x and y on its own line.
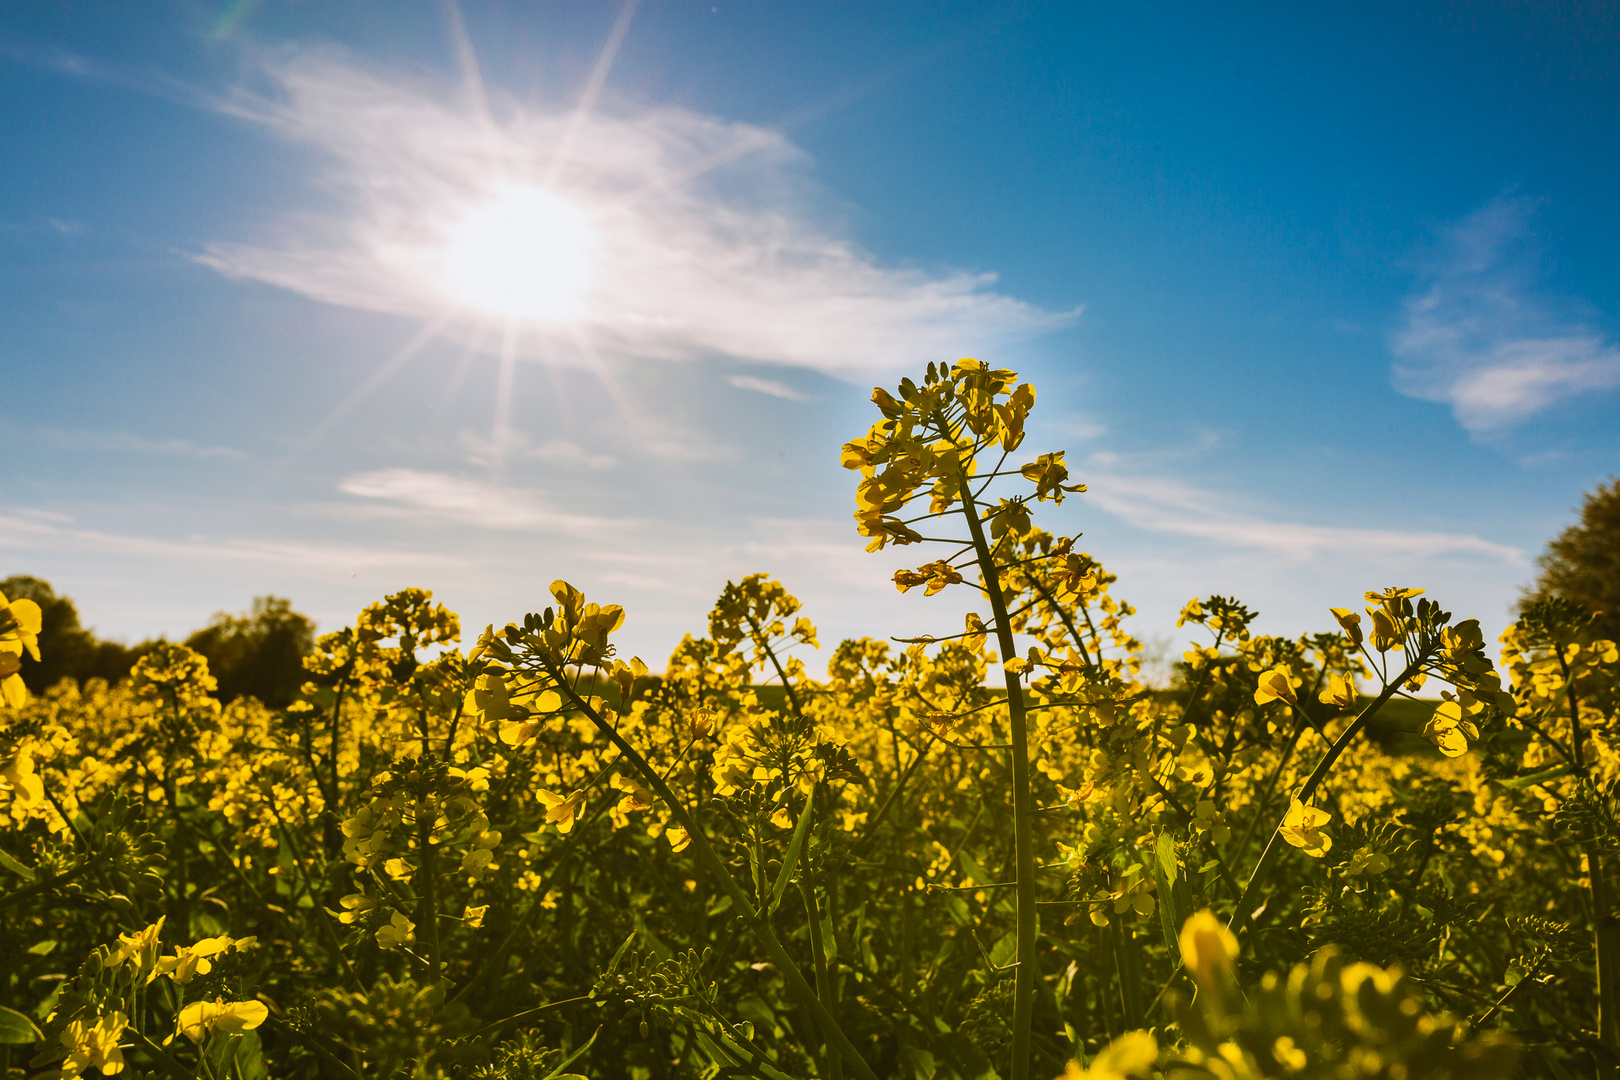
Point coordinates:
pixel 16 1029
pixel 1170 914
pixel 920 1062
pixel 613 965
pixel 220 1053
pixel 1005 951
pixel 557 1073
pixel 972 868
pixel 250 1058
pixel 791 859
pixel 1166 849
pixel 1537 778
pixel 16 867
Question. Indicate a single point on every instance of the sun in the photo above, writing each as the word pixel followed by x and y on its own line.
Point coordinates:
pixel 527 254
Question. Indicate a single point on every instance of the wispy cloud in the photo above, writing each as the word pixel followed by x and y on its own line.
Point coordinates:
pixel 515 444
pixel 464 501
pixel 771 387
pixel 709 241
pixel 1482 339
pixel 563 452
pixel 120 442
pixel 38 530
pixel 1170 506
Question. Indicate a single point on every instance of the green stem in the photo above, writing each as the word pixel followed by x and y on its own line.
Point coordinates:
pixel 315 899
pixel 161 1056
pixel 53 881
pixel 818 951
pixel 1245 907
pixel 1023 797
pixel 796 983
pixel 428 908
pixel 765 647
pixel 1605 932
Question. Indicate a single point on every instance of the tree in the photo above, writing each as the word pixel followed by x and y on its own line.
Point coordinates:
pixel 258 653
pixel 1582 563
pixel 66 648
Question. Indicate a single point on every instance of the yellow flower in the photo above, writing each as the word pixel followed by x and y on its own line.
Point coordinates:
pixel 1302 827
pixel 1341 691
pixel 636 797
pixel 560 810
pixel 1133 1054
pixel 935 575
pixel 1047 473
pixel 19 631
pixel 1449 730
pixel 398 931
pixel 678 837
pixel 1385 635
pixel 1392 593
pixel 139 948
pixel 189 961
pixel 94 1046
pixel 202 1019
pixel 474 916
pixel 1367 862
pixel 1208 818
pixel 355 906
pixel 27 788
pixel 976 631
pixel 1208 949
pixel 1275 684
pixel 1349 621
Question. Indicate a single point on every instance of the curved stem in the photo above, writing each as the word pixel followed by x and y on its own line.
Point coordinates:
pixel 1245 912
pixel 765 646
pixel 1023 798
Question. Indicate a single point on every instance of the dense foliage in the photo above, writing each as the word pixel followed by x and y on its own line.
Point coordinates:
pixel 992 852
pixel 1582 563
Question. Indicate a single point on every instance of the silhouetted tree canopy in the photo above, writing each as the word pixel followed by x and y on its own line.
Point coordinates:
pixel 1582 563
pixel 66 648
pixel 259 653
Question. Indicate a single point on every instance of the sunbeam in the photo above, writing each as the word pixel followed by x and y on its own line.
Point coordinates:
pixel 593 89
pixel 503 392
pixel 385 371
pixel 464 363
pixel 467 59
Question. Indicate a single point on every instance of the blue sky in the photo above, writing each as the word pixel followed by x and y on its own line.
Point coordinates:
pixel 1316 300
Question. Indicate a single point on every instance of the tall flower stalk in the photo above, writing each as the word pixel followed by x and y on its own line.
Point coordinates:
pixel 930 443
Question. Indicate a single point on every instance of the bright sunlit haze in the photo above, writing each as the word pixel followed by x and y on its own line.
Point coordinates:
pixel 328 300
pixel 526 254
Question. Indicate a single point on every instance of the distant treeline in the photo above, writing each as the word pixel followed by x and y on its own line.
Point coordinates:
pixel 258 653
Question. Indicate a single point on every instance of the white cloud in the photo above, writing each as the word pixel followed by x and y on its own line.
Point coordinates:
pixel 768 386
pixel 515 444
pixel 563 452
pixel 465 502
pixel 123 442
pixel 1481 340
pixel 40 531
pixel 708 241
pixel 1169 506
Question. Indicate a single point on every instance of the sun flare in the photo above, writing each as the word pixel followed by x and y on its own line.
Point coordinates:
pixel 527 254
